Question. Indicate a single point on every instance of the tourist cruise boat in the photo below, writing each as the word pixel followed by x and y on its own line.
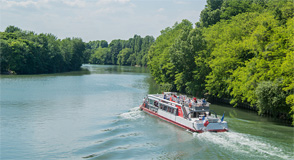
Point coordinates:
pixel 191 114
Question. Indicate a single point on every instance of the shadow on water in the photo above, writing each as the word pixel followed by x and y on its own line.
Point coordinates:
pixel 88 69
pixel 246 114
pixel 153 86
pixel 81 72
pixel 114 69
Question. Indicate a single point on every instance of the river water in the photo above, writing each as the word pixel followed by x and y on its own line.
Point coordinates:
pixel 94 114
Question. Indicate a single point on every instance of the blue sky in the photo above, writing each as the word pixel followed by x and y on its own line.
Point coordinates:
pixel 98 19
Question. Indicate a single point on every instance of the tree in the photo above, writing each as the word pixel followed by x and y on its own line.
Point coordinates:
pixel 159 58
pixel 77 53
pixel 99 56
pixel 123 56
pixel 271 98
pixel 12 29
pixel 24 52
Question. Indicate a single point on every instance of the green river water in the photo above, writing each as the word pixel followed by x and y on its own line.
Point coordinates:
pixel 94 114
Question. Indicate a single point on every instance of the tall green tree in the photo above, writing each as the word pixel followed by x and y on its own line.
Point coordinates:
pixel 99 56
pixel 159 57
pixel 123 56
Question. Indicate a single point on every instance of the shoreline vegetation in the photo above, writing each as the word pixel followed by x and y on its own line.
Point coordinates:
pixel 239 50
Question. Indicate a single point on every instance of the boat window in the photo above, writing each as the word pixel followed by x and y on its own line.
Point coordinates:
pixel 151 101
pixel 155 103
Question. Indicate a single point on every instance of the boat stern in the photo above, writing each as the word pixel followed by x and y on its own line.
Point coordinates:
pixel 212 127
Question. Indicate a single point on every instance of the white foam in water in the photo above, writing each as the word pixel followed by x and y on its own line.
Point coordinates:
pixel 133 114
pixel 243 143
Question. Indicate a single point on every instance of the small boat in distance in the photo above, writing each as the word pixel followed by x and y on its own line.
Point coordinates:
pixel 191 114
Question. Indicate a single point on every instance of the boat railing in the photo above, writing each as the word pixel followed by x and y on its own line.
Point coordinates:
pixel 198 104
pixel 212 120
pixel 163 100
pixel 200 109
pixel 153 108
pixel 170 93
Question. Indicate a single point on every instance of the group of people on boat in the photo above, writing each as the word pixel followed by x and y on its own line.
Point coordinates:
pixel 183 99
pixel 174 98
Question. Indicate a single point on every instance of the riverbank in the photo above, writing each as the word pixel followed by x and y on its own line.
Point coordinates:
pixel 281 117
pixel 9 72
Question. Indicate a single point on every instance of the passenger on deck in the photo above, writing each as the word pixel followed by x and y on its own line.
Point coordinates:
pixel 195 99
pixel 203 101
pixel 155 103
pixel 196 114
pixel 164 96
pixel 193 103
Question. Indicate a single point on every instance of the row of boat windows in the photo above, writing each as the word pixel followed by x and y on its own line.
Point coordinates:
pixel 168 109
pixel 163 107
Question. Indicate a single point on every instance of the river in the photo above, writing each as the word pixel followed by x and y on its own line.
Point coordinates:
pixel 94 114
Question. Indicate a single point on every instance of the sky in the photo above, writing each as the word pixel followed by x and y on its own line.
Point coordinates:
pixel 98 19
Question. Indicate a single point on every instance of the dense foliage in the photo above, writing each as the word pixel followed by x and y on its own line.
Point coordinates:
pixel 24 52
pixel 242 50
pixel 119 52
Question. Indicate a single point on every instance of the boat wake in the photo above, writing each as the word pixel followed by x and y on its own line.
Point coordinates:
pixel 244 144
pixel 132 114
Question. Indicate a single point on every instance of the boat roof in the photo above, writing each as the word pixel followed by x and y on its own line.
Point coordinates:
pixel 154 97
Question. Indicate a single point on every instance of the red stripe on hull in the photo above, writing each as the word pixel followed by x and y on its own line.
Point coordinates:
pixel 176 123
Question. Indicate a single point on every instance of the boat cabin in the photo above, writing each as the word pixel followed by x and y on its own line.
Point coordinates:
pixel 155 103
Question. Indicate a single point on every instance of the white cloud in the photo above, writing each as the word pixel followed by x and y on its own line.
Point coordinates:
pixel 122 1
pixel 160 10
pixel 181 2
pixel 9 4
pixel 114 6
pixel 67 6
pixel 75 3
pixel 103 2
pixel 105 10
pixel 6 4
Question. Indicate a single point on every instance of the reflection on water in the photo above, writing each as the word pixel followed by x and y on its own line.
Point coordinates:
pixel 110 69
